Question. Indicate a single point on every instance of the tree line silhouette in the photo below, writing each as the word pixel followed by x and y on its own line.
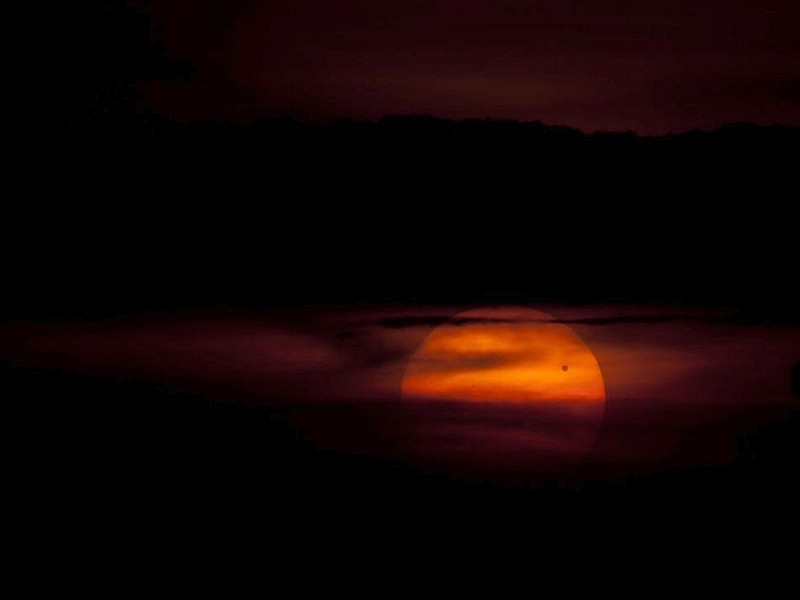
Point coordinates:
pixel 135 209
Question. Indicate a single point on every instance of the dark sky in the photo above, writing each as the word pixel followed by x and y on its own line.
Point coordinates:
pixel 648 65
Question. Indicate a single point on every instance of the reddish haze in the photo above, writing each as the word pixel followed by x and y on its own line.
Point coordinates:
pixel 681 385
pixel 648 65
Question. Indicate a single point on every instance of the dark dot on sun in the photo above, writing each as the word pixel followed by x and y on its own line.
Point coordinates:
pixel 565 368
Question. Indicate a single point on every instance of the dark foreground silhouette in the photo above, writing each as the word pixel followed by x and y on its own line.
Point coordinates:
pixel 404 209
pixel 120 209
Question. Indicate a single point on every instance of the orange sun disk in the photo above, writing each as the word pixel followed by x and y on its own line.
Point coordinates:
pixel 505 355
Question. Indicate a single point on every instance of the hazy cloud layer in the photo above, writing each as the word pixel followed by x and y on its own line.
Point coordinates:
pixel 653 65
pixel 681 383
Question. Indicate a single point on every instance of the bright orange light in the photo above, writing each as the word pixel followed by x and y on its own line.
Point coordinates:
pixel 505 355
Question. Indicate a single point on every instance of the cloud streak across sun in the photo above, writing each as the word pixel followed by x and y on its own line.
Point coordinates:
pixel 398 381
pixel 503 357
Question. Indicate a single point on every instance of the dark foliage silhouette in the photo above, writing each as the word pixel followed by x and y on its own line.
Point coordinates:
pixel 162 213
pixel 102 50
pixel 281 211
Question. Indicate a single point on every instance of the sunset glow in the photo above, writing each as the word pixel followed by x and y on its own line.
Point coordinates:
pixel 505 356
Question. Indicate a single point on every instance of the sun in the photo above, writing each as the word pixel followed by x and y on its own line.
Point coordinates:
pixel 519 388
pixel 505 355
